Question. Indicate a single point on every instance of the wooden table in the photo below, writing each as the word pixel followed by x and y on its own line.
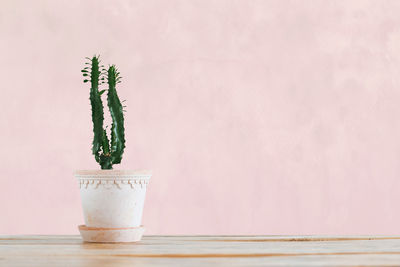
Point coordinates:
pixel 202 250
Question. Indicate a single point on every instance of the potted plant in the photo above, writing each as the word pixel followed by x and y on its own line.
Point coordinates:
pixel 112 200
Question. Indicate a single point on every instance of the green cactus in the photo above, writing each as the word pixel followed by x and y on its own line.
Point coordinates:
pixel 105 153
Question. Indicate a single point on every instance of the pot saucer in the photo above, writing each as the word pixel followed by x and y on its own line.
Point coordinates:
pixel 111 235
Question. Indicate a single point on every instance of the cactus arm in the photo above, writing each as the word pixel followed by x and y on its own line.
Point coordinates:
pixel 105 144
pixel 105 158
pixel 97 106
pixel 116 111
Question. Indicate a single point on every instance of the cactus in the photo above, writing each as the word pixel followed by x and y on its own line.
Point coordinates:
pixel 106 153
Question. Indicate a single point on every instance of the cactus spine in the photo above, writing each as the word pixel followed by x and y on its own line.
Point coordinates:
pixel 105 153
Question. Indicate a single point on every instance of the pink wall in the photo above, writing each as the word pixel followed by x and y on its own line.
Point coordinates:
pixel 257 117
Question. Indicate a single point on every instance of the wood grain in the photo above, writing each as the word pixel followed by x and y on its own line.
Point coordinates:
pixel 203 250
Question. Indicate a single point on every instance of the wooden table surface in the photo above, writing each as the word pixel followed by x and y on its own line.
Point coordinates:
pixel 203 250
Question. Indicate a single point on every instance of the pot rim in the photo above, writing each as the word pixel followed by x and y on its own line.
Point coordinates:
pixel 112 173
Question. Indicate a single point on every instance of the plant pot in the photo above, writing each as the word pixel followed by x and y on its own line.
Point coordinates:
pixel 112 202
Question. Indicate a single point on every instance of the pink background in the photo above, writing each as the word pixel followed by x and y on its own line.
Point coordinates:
pixel 257 117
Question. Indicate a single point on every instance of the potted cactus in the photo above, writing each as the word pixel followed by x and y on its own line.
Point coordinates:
pixel 112 200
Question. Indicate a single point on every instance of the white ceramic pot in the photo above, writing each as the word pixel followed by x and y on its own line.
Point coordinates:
pixel 112 199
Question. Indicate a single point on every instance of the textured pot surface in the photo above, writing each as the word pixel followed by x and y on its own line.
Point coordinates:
pixel 113 198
